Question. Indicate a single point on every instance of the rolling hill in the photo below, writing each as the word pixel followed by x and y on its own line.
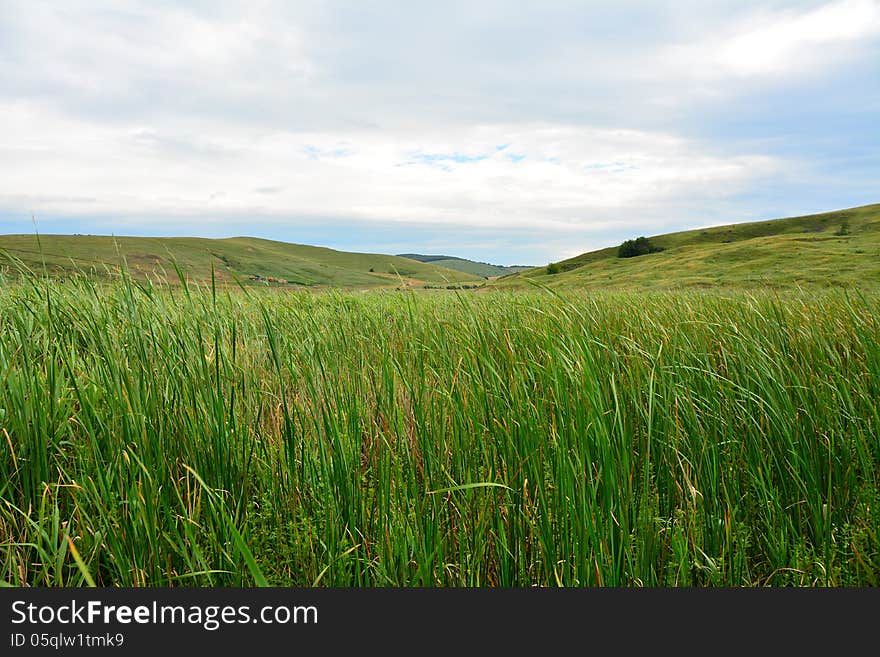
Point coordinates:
pixel 840 248
pixel 482 269
pixel 248 259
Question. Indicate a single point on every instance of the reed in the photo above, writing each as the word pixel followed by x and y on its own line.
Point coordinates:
pixel 192 435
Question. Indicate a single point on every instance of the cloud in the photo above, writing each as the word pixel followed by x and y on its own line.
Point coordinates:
pixel 542 121
pixel 780 43
pixel 560 177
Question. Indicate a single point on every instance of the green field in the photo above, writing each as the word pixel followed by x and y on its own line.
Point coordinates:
pixel 796 252
pixel 481 269
pixel 179 435
pixel 241 259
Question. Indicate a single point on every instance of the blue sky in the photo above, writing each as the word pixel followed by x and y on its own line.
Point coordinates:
pixel 500 131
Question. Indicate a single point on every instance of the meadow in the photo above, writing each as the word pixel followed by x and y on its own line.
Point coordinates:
pixel 235 260
pixel 191 435
pixel 832 249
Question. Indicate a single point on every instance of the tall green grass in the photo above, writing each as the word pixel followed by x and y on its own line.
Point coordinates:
pixel 183 436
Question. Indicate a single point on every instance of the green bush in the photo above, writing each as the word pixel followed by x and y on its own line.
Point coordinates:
pixel 554 268
pixel 637 247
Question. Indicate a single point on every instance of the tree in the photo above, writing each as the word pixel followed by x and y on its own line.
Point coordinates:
pixel 637 247
pixel 554 268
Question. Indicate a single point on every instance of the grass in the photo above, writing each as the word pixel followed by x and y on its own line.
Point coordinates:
pixel 221 260
pixel 796 252
pixel 180 435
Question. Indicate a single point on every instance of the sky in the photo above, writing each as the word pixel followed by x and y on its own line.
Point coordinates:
pixel 502 131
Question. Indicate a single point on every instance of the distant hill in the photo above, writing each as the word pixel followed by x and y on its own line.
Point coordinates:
pixel 250 260
pixel 839 248
pixel 482 269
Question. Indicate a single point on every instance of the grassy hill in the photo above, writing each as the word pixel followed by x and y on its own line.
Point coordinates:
pixel 839 248
pixel 482 269
pixel 251 260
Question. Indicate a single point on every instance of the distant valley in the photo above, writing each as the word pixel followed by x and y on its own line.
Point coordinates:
pixel 483 269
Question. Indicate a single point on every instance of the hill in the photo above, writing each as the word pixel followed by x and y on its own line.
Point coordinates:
pixel 840 248
pixel 248 259
pixel 482 269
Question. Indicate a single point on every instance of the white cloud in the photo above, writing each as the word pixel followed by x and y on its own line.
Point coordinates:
pixel 516 175
pixel 120 59
pixel 782 42
pixel 553 117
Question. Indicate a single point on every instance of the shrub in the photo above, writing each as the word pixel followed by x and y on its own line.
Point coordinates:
pixel 637 247
pixel 554 268
pixel 843 230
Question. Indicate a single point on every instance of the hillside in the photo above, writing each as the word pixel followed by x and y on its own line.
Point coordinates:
pixel 807 251
pixel 482 269
pixel 248 259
